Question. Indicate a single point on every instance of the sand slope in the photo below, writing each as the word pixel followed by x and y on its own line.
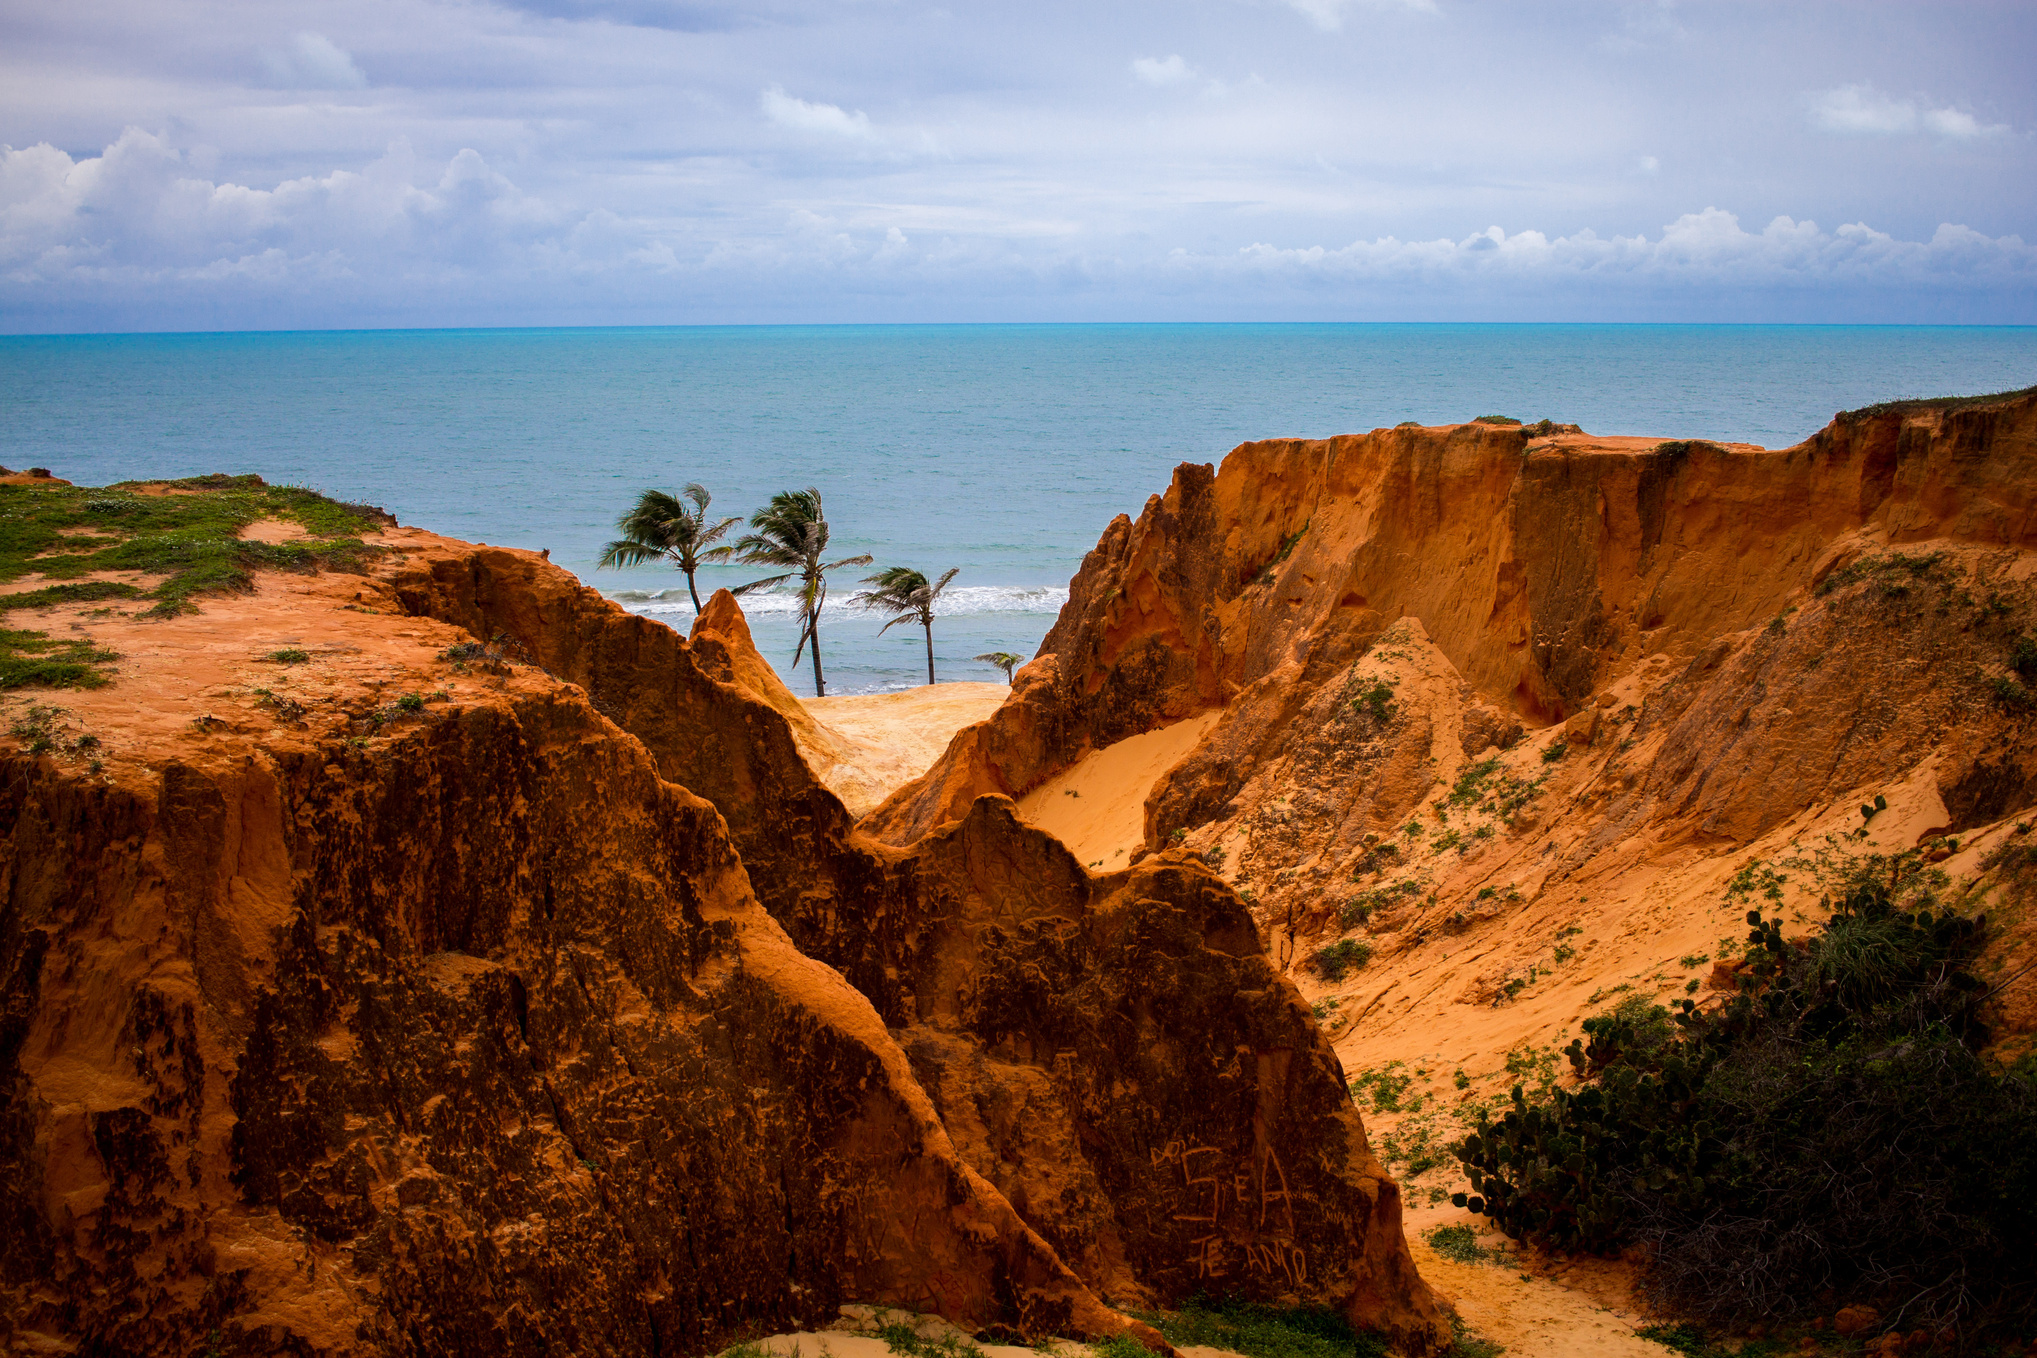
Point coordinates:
pixel 1098 806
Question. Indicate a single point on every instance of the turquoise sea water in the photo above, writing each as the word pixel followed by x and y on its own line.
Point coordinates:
pixel 1003 450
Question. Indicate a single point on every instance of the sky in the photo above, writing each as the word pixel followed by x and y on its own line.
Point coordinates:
pixel 213 164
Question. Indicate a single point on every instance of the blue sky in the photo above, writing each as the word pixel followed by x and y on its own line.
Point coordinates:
pixel 198 164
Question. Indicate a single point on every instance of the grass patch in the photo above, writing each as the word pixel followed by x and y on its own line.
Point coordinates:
pixel 1495 419
pixel 1458 1244
pixel 35 659
pixel 192 539
pixel 1262 1331
pixel 1465 1344
pixel 904 1339
pixel 1945 403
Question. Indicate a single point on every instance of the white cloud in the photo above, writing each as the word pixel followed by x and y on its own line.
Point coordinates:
pixel 313 61
pixel 1698 250
pixel 137 236
pixel 826 119
pixel 1864 109
pixel 1171 70
pixel 1328 15
pixel 1648 165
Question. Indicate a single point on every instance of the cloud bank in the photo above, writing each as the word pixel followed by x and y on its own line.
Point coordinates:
pixel 1864 109
pixel 374 162
pixel 128 238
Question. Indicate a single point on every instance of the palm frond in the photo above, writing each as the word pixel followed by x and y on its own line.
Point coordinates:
pixel 625 552
pixel 715 533
pixel 942 583
pixel 862 560
pixel 756 585
pixel 903 617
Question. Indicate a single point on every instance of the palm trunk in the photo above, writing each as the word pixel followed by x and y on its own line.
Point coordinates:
pixel 820 685
pixel 694 592
pixel 930 652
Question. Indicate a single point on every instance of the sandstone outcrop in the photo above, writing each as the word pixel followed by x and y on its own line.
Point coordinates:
pixel 504 978
pixel 1490 698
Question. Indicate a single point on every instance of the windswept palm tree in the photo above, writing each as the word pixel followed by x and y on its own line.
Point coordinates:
pixel 661 527
pixel 905 594
pixel 1004 660
pixel 792 532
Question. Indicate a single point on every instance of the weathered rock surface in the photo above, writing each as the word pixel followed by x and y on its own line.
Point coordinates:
pixel 518 1021
pixel 985 905
pixel 1493 699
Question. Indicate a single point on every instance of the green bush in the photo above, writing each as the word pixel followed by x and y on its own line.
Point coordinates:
pixel 1347 954
pixel 1830 1130
pixel 1459 1243
pixel 1261 1331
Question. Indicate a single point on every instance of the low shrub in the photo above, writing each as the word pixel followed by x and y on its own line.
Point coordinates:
pixel 1458 1243
pixel 1344 955
pixel 1831 1130
pixel 1258 1330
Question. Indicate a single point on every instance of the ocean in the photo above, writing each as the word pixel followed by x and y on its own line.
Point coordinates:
pixel 1003 451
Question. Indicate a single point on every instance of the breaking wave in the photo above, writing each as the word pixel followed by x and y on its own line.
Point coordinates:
pixel 955 602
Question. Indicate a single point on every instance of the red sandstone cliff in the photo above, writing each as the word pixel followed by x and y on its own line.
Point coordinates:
pixel 566 1013
pixel 1483 690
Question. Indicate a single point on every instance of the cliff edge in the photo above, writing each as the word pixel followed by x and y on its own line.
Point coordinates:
pixel 408 951
pixel 1492 724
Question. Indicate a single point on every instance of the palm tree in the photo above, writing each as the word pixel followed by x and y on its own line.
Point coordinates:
pixel 905 593
pixel 792 532
pixel 1004 660
pixel 661 527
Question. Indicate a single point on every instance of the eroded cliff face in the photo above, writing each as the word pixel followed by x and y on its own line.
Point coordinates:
pixel 1171 1118
pixel 1508 712
pixel 564 1011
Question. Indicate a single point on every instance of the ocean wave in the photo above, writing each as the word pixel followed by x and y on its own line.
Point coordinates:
pixel 954 602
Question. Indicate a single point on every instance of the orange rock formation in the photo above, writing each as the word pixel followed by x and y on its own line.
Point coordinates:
pixel 567 1012
pixel 1481 690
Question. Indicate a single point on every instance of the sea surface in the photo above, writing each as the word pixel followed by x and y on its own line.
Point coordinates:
pixel 1001 450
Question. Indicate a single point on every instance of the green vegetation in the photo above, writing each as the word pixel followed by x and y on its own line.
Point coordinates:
pixel 660 527
pixel 1495 419
pixel 1944 403
pixel 1675 450
pixel 1347 954
pixel 1261 1331
pixel 904 1339
pixel 1893 575
pixel 34 659
pixel 1360 909
pixel 1386 1086
pixel 1376 699
pixel 1004 660
pixel 1555 752
pixel 1458 1243
pixel 192 539
pixel 468 656
pixel 792 532
pixel 908 596
pixel 1830 1130
pixel 288 656
pixel 1489 787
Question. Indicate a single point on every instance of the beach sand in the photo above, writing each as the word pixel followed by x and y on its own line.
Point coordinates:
pixel 886 740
